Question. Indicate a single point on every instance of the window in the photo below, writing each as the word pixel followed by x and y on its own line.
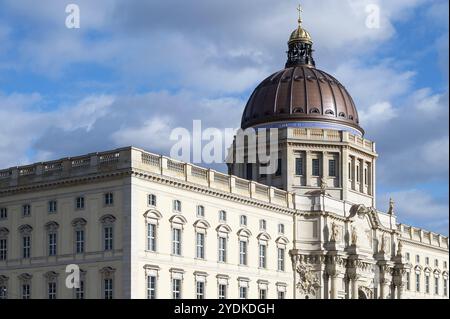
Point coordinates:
pixel 243 292
pixel 151 287
pixel 176 288
pixel 79 203
pixel 408 256
pixel 108 288
pixel 26 210
pixel 151 237
pixel 243 220
pixel 427 284
pixel 3 292
pixel 152 200
pixel 108 237
pixel 200 290
pixel 366 179
pixel 26 246
pixel 79 241
pixel 418 282
pixel 242 252
pixel 316 167
pixel 350 173
pixel 109 199
pixel 299 166
pixel 79 292
pixel 222 249
pixel 417 259
pixel 408 281
pixel 436 286
pixel 222 291
pixel 3 213
pixel 445 287
pixel 262 256
pixel 177 206
pixel 249 171
pixel 200 245
pixel 332 168
pixel 357 173
pixel 3 249
pixel 26 291
pixel 281 295
pixel 51 291
pixel 222 216
pixel 280 228
pixel 200 211
pixel 262 293
pixel 281 259
pixel 52 244
pixel 279 167
pixel 427 260
pixel 262 224
pixel 176 241
pixel 52 206
pixel 436 263
pixel 445 265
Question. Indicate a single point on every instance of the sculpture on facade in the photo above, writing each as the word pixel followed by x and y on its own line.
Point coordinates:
pixel 391 207
pixel 383 243
pixel 323 185
pixel 307 280
pixel 399 248
pixel 334 232
pixel 354 236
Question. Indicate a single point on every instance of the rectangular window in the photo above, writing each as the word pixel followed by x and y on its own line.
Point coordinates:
pixel 249 171
pixel 445 287
pixel 408 256
pixel 427 284
pixel 51 293
pixel 350 173
pixel 242 252
pixel 176 241
pixel 366 179
pixel 222 249
pixel 222 291
pixel 332 168
pixel 200 290
pixel 52 244
pixel 151 287
pixel 26 210
pixel 243 220
pixel 151 237
pixel 418 282
pixel 79 292
pixel 262 293
pixel 299 166
pixel 408 281
pixel 427 260
pixel 279 167
pixel 436 286
pixel 108 238
pixel 3 213
pixel 3 249
pixel 436 263
pixel 152 200
pixel 52 206
pixel 200 211
pixel 357 173
pixel 3 292
pixel 281 254
pixel 417 259
pixel 200 245
pixel 79 241
pixel 281 295
pixel 262 224
pixel 79 203
pixel 280 228
pixel 176 288
pixel 109 199
pixel 222 216
pixel 26 291
pixel 243 292
pixel 177 205
pixel 108 288
pixel 26 246
pixel 262 256
pixel 316 167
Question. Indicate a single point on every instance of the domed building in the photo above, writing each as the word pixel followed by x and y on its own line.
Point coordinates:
pixel 320 140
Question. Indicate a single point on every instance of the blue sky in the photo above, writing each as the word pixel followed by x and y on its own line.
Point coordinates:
pixel 137 69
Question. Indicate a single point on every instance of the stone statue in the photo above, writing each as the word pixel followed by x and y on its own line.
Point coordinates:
pixel 354 236
pixel 391 207
pixel 399 248
pixel 334 232
pixel 323 185
pixel 383 243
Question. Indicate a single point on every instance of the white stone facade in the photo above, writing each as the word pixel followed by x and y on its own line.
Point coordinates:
pixel 144 235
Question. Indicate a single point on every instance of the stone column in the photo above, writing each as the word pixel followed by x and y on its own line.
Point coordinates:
pixel 385 288
pixel 400 289
pixel 333 286
pixel 308 167
pixel 344 173
pixel 325 165
pixel 355 288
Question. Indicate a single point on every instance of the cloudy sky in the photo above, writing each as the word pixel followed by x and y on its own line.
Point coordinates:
pixel 136 69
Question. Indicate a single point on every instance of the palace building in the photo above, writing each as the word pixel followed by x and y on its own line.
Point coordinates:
pixel 141 225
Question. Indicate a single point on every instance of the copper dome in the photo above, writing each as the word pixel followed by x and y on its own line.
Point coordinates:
pixel 300 93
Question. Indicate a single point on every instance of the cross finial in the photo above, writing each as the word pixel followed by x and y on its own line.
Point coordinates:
pixel 300 10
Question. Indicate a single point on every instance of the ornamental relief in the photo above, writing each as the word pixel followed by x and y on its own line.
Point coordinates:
pixel 308 280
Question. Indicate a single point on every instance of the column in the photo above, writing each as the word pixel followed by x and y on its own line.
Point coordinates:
pixel 325 166
pixel 400 289
pixel 344 172
pixel 355 288
pixel 308 166
pixel 333 286
pixel 355 173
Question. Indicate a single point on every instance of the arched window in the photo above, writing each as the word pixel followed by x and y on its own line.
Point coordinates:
pixel 329 112
pixel 51 279
pixel 342 114
pixel 314 111
pixel 25 285
pixel 107 274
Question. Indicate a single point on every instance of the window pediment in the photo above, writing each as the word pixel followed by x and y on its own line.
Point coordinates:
pixel 264 236
pixel 25 229
pixel 153 214
pixel 223 228
pixel 4 232
pixel 51 226
pixel 201 223
pixel 25 277
pixel 79 222
pixel 283 240
pixel 244 232
pixel 107 219
pixel 178 219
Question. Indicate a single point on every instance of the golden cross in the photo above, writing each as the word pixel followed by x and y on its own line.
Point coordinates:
pixel 300 10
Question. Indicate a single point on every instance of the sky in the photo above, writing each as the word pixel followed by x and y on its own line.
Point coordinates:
pixel 135 70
